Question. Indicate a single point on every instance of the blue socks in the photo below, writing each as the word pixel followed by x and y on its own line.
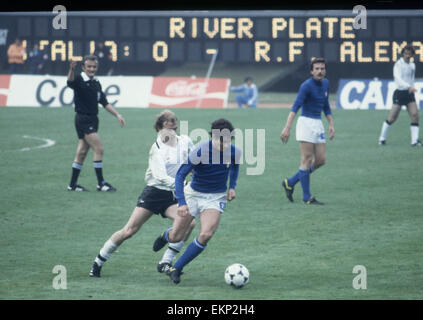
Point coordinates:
pixel 166 234
pixel 296 177
pixel 192 251
pixel 304 177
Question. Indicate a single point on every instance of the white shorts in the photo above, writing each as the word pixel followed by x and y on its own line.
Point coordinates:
pixel 198 201
pixel 310 130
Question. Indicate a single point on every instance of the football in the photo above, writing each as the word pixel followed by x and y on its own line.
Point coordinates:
pixel 237 275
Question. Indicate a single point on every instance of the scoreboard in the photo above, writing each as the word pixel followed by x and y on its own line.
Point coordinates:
pixel 253 37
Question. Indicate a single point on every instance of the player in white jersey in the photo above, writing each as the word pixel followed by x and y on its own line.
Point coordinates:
pixel 167 154
pixel 404 74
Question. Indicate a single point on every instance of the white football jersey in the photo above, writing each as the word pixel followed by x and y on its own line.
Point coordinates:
pixel 164 162
pixel 404 74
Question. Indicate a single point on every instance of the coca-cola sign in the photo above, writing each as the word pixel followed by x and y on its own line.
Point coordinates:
pixel 182 88
pixel 171 92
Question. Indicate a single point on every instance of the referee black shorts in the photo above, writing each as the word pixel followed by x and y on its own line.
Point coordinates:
pixel 85 124
pixel 403 97
pixel 156 200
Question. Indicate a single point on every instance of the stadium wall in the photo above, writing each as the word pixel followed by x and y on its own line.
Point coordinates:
pixel 121 91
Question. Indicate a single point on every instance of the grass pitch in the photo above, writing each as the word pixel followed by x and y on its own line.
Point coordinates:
pixel 372 217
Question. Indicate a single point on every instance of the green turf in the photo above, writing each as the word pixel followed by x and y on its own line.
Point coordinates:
pixel 372 217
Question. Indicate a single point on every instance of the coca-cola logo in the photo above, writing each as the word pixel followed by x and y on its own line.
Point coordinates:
pixel 182 88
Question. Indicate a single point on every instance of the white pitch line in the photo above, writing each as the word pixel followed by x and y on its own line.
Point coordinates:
pixel 48 143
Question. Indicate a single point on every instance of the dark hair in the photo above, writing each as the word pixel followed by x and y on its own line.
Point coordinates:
pixel 408 48
pixel 90 57
pixel 317 60
pixel 221 124
pixel 248 79
pixel 162 117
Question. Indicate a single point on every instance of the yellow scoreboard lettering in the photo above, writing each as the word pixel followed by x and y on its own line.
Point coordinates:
pixel 58 47
pixel 380 50
pixel 293 50
pixel 244 28
pixel 92 47
pixel 43 43
pixel 176 26
pixel 261 50
pixel 292 33
pixel 330 22
pixel 194 28
pixel 418 47
pixel 70 53
pixel 227 28
pixel 346 26
pixel 313 25
pixel 360 57
pixel 164 54
pixel 347 49
pixel 278 24
pixel 396 49
pixel 211 33
pixel 113 48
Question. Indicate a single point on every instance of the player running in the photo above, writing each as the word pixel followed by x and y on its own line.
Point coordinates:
pixel 167 154
pixel 313 98
pixel 404 73
pixel 205 197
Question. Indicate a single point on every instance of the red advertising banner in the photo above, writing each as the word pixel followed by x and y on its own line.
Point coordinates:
pixel 4 88
pixel 173 92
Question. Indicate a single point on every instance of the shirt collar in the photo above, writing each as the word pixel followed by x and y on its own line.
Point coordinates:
pixel 404 62
pixel 317 81
pixel 85 77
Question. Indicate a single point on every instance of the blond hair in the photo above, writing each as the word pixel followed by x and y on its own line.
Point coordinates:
pixel 162 117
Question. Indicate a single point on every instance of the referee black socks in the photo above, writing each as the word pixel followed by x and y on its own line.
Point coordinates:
pixel 76 169
pixel 98 167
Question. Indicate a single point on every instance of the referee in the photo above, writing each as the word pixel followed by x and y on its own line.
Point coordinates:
pixel 88 94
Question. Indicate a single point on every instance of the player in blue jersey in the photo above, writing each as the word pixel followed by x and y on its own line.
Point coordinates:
pixel 249 94
pixel 313 98
pixel 212 162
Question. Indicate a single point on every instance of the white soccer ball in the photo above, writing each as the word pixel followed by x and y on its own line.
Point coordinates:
pixel 237 275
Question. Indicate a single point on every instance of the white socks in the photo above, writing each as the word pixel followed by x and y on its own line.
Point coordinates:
pixel 109 247
pixel 172 251
pixel 414 128
pixel 384 132
pixel 105 252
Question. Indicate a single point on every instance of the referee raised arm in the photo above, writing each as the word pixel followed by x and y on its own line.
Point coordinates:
pixel 88 94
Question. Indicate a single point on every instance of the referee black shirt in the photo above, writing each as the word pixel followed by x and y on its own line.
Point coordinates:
pixel 88 94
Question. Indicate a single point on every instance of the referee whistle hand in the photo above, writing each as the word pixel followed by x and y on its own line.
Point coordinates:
pixel 412 90
pixel 72 64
